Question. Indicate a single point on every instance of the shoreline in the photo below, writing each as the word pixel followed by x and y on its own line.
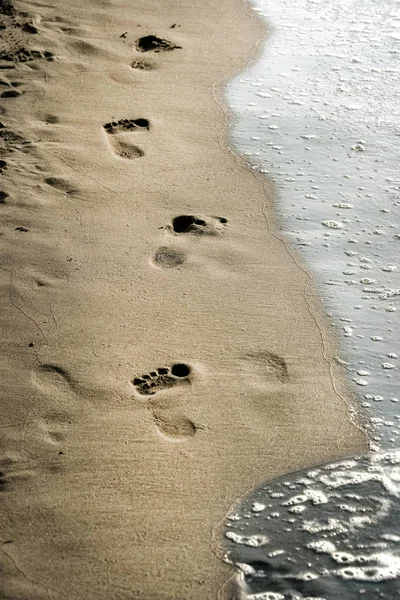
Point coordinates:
pixel 113 487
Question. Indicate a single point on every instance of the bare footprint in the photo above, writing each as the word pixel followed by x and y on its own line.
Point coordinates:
pixel 168 258
pixel 52 379
pixel 13 471
pixel 174 425
pixel 121 143
pixel 23 55
pixel 143 65
pixel 62 185
pixel 11 93
pixel 162 378
pixel 267 366
pixel 198 225
pixel 153 43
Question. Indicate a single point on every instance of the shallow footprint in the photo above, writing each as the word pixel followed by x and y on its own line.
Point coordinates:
pixel 162 378
pixel 268 366
pixel 199 225
pixel 153 43
pixel 174 425
pixel 117 130
pixel 168 257
pixel 52 379
pixel 62 185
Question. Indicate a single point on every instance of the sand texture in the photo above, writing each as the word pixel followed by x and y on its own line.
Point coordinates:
pixel 162 352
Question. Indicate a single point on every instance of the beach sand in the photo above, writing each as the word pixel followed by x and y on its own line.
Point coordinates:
pixel 154 368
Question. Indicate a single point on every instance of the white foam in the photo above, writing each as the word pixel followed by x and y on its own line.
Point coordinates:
pixel 333 85
pixel 254 541
pixel 332 224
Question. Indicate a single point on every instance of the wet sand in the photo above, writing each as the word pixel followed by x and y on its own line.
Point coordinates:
pixel 163 351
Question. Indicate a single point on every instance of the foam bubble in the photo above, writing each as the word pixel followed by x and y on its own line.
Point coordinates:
pixel 346 543
pixel 254 541
pixel 332 224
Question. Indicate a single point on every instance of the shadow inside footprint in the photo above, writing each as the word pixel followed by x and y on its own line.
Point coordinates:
pixel 11 94
pixel 153 43
pixel 62 185
pixel 168 258
pixel 162 378
pixel 143 65
pixel 123 147
pixel 198 225
pixel 174 425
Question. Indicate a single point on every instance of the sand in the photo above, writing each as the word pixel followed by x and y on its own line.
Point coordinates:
pixel 154 368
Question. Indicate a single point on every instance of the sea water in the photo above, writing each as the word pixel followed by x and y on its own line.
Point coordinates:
pixel 329 533
pixel 319 115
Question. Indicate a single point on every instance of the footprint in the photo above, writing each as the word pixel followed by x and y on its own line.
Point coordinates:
pixel 12 471
pixel 174 425
pixel 153 43
pixel 168 257
pixel 51 119
pixel 11 93
pixel 121 146
pixel 127 125
pixel 10 140
pixel 268 366
pixel 52 379
pixel 29 28
pixel 199 225
pixel 162 378
pixel 62 185
pixel 23 55
pixel 143 65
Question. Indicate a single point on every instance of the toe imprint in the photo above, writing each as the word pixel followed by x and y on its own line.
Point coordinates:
pixel 125 125
pixel 143 65
pixel 154 43
pixel 199 225
pixel 162 378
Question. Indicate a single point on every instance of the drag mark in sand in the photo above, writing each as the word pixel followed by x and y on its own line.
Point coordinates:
pixel 199 225
pixel 162 378
pixel 153 43
pixel 117 130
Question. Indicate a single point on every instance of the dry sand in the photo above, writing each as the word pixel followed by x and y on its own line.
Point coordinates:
pixel 112 489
